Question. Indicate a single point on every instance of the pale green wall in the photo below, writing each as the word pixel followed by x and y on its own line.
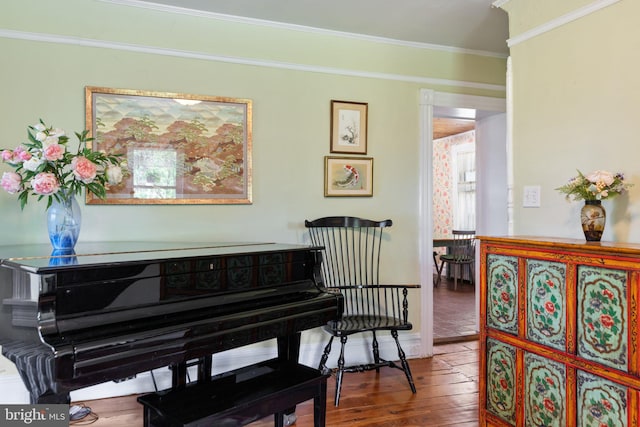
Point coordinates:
pixel 290 116
pixel 576 92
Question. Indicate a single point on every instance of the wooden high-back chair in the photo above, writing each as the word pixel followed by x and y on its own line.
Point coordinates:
pixel 462 253
pixel 351 265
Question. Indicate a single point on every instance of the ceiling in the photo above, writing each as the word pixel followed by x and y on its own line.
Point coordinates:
pixel 465 24
pixel 443 127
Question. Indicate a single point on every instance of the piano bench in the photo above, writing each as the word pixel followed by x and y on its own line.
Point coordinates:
pixel 239 397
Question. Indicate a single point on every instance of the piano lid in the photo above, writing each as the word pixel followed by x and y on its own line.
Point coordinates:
pixel 42 259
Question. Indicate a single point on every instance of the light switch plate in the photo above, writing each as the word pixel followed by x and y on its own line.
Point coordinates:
pixel 531 196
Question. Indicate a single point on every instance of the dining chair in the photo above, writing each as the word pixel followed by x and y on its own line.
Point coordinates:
pixel 351 265
pixel 461 253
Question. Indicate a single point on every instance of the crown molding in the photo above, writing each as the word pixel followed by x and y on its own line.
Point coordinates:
pixel 294 27
pixel 500 3
pixel 560 21
pixel 78 41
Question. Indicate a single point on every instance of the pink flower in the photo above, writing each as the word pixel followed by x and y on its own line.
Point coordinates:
pixel 45 183
pixel 11 182
pixel 549 306
pixel 84 169
pixel 54 152
pixel 24 155
pixel 606 320
pixel 7 155
pixel 505 297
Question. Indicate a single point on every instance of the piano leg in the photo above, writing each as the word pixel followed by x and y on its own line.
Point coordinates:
pixel 289 348
pixel 289 351
pixel 178 375
pixel 179 371
pixel 204 368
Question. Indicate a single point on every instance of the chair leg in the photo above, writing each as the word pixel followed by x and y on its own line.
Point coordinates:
pixel 403 361
pixel 343 341
pixel 438 270
pixel 322 367
pixel 455 276
pixel 376 350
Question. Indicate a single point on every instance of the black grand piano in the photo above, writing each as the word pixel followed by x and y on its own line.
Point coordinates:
pixel 111 310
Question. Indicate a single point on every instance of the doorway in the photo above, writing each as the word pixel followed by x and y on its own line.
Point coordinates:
pixel 454 201
pixel 491 176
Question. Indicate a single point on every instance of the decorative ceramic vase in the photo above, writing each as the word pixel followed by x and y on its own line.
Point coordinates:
pixel 593 218
pixel 63 222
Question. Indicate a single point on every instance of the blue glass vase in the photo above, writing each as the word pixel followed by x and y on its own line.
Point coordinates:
pixel 63 257
pixel 63 222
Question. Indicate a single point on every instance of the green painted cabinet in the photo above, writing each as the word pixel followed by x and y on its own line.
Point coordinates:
pixel 558 333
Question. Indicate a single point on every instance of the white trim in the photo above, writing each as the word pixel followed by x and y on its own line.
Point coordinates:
pixel 12 389
pixel 425 220
pixel 560 21
pixel 295 27
pixel 428 100
pixel 78 41
pixel 500 3
pixel 484 103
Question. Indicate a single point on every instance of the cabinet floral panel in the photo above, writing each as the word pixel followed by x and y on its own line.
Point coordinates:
pixel 601 403
pixel 501 379
pixel 502 293
pixel 602 316
pixel 546 303
pixel 545 403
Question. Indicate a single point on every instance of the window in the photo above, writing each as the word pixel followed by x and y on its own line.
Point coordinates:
pixel 155 172
pixel 463 157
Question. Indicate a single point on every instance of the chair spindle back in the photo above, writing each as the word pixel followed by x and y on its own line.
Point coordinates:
pixel 351 262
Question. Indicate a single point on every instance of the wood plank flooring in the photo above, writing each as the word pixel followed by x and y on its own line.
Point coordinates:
pixel 447 395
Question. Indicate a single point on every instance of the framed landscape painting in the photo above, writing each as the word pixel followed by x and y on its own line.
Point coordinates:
pixel 348 176
pixel 176 148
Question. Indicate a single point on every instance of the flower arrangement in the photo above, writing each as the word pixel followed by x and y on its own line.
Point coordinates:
pixel 597 185
pixel 45 168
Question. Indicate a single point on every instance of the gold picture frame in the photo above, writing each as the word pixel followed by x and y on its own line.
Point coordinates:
pixel 349 127
pixel 176 148
pixel 348 176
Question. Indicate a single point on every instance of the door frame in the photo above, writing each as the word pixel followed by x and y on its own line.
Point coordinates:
pixel 427 101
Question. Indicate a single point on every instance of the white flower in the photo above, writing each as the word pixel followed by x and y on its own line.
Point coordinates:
pixel 50 140
pixel 39 127
pixel 41 136
pixel 32 164
pixel 114 174
pixel 599 176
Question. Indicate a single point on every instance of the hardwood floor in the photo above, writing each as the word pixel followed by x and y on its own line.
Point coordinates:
pixel 454 312
pixel 447 395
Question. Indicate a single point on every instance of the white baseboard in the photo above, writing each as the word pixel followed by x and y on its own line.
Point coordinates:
pixel 13 391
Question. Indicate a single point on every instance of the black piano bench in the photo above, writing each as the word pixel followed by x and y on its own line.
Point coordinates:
pixel 239 397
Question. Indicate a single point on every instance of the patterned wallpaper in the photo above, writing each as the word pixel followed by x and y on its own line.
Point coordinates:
pixel 442 181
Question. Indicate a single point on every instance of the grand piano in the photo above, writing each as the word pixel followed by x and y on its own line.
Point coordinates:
pixel 108 311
